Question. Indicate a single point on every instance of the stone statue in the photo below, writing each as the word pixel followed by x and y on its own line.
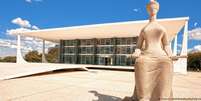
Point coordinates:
pixel 154 61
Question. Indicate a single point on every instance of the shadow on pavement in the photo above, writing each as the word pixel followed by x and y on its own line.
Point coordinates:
pixel 103 97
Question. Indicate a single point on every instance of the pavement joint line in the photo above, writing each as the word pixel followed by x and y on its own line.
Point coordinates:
pixel 36 93
pixel 47 91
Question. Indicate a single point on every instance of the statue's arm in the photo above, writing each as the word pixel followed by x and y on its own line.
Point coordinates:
pixel 140 40
pixel 139 45
pixel 167 47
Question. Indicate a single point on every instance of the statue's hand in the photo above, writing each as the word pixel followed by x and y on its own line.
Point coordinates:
pixel 136 54
pixel 174 58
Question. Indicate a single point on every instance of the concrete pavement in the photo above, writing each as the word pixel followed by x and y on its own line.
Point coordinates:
pixel 92 85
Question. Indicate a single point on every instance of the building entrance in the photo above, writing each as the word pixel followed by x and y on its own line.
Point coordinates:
pixel 108 60
pixel 105 60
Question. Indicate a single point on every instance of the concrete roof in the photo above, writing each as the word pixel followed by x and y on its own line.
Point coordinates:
pixel 107 30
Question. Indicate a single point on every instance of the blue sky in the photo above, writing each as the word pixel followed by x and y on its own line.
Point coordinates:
pixel 60 13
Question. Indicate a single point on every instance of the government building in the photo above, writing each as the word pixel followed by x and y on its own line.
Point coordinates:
pixel 107 44
pixel 98 51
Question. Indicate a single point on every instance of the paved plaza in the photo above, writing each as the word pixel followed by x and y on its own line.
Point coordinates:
pixel 91 85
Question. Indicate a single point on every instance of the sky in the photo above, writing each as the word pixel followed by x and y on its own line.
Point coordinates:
pixel 41 14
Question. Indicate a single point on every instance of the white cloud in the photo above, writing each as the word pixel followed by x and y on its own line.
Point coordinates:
pixel 179 45
pixel 135 10
pixel 22 23
pixel 38 0
pixel 24 26
pixel 195 24
pixel 29 38
pixel 195 34
pixel 196 48
pixel 16 31
pixel 35 27
pixel 7 43
pixel 30 1
pixel 31 44
pixel 27 44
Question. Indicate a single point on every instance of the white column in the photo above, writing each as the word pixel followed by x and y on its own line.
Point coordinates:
pixel 19 58
pixel 184 50
pixel 175 46
pixel 43 53
pixel 59 52
pixel 181 65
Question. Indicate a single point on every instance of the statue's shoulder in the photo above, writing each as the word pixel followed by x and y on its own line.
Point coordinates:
pixel 163 28
pixel 145 28
pixel 153 26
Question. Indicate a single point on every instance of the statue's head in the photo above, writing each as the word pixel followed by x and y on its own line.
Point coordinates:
pixel 153 7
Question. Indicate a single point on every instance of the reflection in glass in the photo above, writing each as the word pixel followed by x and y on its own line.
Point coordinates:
pixel 99 51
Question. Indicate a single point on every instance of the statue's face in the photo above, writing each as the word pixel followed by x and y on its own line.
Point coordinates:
pixel 152 9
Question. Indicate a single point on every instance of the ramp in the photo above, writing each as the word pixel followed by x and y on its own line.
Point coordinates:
pixel 109 67
pixel 14 70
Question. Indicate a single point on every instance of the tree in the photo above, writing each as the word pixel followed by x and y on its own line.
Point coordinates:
pixel 8 59
pixel 33 56
pixel 194 61
pixel 52 55
pixel 1 60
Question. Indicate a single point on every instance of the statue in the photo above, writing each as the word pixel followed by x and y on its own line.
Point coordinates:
pixel 154 61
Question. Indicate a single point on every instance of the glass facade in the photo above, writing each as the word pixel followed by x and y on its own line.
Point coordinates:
pixel 108 51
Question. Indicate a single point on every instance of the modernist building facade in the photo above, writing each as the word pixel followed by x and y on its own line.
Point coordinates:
pixel 106 44
pixel 102 51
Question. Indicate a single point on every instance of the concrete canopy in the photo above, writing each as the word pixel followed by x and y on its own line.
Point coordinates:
pixel 107 30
